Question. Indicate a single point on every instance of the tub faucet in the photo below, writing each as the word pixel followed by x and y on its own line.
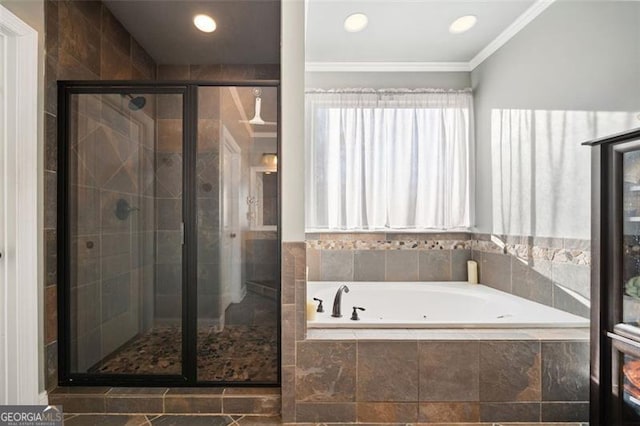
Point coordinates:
pixel 337 302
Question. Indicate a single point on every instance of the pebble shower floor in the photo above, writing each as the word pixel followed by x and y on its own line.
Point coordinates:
pixel 237 353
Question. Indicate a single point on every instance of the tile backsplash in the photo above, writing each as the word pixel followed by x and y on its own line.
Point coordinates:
pixel 551 271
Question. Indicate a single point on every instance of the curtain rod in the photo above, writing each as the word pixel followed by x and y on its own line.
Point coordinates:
pixel 387 91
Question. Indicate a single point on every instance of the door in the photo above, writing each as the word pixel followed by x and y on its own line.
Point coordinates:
pixel 124 235
pixel 230 250
pixel 153 186
pixel 623 303
pixel 238 267
pixel 19 226
pixel 618 399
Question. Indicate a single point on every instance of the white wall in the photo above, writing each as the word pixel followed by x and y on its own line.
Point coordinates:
pixel 385 80
pixel 570 75
pixel 32 13
pixel 292 107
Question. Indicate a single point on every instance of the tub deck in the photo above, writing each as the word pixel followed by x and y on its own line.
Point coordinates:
pixel 434 305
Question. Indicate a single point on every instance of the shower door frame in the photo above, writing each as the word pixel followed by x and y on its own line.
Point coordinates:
pixel 189 359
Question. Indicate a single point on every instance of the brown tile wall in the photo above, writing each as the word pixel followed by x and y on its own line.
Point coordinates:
pixel 294 289
pixel 215 108
pixel 168 207
pixel 111 261
pixel 208 184
pixel 83 42
pixel 260 249
pixel 262 402
pixel 545 270
pixel 492 379
pixel 538 269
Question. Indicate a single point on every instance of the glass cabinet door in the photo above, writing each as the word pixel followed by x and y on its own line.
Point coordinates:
pixel 625 396
pixel 624 285
pixel 630 274
pixel 615 280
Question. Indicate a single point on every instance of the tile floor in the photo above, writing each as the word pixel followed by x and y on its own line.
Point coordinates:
pixel 245 350
pixel 238 353
pixel 181 420
pixel 168 420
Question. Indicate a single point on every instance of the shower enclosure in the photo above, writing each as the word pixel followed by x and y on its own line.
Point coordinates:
pixel 167 278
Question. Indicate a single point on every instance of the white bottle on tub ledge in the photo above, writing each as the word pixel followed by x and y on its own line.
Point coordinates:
pixel 311 311
pixel 472 272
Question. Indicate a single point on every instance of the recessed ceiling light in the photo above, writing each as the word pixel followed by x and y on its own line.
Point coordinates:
pixel 462 24
pixel 356 22
pixel 204 23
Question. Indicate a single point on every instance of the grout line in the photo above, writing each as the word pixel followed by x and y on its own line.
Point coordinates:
pixel 355 391
pixel 418 345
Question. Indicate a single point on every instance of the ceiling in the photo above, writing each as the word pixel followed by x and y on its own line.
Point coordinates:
pixel 248 31
pixel 406 30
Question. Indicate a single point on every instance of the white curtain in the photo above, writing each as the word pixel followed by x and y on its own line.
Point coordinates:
pixel 380 160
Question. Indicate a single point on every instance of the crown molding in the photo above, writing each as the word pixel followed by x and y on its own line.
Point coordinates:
pixel 522 21
pixel 387 66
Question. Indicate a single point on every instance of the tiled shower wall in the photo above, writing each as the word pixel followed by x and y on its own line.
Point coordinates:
pixel 168 208
pixel 214 111
pixel 83 42
pixel 261 248
pixel 551 271
pixel 111 256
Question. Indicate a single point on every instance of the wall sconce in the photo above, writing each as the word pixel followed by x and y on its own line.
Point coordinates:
pixel 269 160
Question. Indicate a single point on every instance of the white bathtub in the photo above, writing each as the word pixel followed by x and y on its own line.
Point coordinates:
pixel 433 305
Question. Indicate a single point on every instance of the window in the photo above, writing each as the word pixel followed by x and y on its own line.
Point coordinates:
pixel 385 160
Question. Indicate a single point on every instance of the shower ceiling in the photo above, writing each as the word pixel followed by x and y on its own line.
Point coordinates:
pixel 248 31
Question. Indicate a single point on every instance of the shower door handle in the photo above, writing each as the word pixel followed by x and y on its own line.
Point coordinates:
pixel 232 235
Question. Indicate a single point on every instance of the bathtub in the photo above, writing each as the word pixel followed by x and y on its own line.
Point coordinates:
pixel 434 305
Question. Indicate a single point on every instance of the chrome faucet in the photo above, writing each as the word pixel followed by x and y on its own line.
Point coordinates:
pixel 337 302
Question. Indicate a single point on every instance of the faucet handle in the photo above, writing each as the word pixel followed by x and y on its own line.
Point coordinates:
pixel 354 315
pixel 320 308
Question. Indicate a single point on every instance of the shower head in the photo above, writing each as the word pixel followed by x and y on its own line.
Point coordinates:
pixel 137 103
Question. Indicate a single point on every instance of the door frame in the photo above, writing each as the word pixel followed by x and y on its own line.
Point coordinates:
pixel 66 89
pixel 20 315
pixel 228 142
pixel 190 247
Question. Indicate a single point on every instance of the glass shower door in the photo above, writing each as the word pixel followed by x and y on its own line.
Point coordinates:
pixel 238 264
pixel 168 230
pixel 124 226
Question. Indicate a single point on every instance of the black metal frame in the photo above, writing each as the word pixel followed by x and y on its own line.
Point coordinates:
pixel 606 286
pixel 189 90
